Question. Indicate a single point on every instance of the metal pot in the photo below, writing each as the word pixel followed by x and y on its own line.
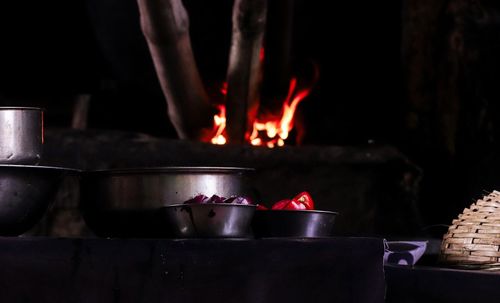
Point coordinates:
pixel 21 135
pixel 25 194
pixel 293 223
pixel 128 203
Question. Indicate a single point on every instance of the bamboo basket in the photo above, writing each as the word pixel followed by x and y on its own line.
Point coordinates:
pixel 473 239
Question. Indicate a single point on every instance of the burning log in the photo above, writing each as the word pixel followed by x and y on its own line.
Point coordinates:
pixel 165 24
pixel 243 75
pixel 277 73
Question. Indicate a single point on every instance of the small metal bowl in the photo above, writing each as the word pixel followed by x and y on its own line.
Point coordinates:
pixel 21 135
pixel 293 223
pixel 211 220
pixel 25 194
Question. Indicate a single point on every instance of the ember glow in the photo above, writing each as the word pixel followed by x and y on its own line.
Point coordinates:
pixel 267 130
pixel 220 126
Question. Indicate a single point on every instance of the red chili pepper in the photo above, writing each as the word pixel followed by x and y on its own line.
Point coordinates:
pixel 305 199
pixel 281 204
pixel 302 201
pixel 294 205
pixel 261 207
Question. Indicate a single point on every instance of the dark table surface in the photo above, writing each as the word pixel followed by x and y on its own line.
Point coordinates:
pixel 435 284
pixel 142 270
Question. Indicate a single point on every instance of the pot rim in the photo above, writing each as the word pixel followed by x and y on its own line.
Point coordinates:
pixel 207 205
pixel 171 169
pixel 21 108
pixel 298 211
pixel 40 167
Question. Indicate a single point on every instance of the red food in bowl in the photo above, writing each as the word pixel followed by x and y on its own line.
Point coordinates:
pixel 302 201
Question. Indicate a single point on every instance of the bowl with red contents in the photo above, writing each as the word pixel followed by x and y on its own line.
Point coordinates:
pixel 293 218
pixel 211 217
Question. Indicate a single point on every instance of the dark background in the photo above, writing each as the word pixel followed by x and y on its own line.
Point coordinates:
pixel 419 75
pixel 53 50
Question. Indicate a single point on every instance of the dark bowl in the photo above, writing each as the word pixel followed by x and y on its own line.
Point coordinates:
pixel 26 192
pixel 129 202
pixel 211 220
pixel 293 223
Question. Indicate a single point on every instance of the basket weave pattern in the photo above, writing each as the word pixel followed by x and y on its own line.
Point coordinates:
pixel 473 240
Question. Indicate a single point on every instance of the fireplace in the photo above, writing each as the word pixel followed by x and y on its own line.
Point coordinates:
pixel 107 57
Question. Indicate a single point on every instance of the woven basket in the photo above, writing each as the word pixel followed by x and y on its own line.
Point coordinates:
pixel 473 240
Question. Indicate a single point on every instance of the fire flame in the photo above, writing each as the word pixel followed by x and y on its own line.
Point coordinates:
pixel 267 130
pixel 220 126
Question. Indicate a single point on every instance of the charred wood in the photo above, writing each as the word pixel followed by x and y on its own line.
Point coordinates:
pixel 165 24
pixel 277 69
pixel 244 70
pixel 80 111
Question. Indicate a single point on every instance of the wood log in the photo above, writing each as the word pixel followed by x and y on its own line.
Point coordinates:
pixel 277 68
pixel 165 24
pixel 244 70
pixel 81 111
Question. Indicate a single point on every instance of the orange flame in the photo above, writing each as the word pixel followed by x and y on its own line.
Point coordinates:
pixel 220 126
pixel 268 131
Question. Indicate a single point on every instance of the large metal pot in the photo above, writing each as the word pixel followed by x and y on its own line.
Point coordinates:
pixel 21 135
pixel 128 203
pixel 25 194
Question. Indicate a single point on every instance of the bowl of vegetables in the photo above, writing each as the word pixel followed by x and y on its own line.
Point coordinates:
pixel 293 218
pixel 211 217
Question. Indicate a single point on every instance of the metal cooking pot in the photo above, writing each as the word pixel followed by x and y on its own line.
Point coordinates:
pixel 128 203
pixel 25 194
pixel 21 135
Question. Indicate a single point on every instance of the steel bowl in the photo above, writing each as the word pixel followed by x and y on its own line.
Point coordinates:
pixel 293 223
pixel 21 135
pixel 25 194
pixel 211 220
pixel 128 203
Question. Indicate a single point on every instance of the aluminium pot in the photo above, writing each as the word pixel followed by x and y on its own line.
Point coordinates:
pixel 129 202
pixel 21 135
